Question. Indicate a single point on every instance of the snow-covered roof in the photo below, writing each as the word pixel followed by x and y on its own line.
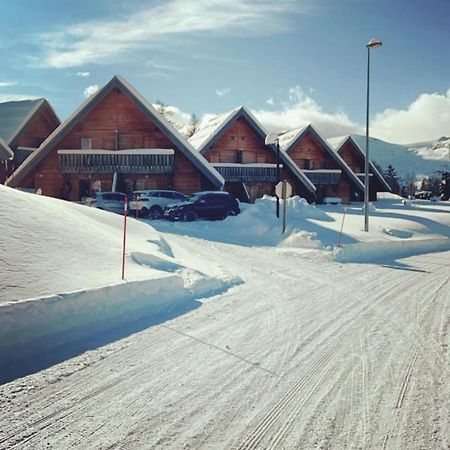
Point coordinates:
pixel 338 144
pixel 212 130
pixel 208 129
pixel 15 115
pixel 144 106
pixel 132 151
pixel 5 151
pixel 290 138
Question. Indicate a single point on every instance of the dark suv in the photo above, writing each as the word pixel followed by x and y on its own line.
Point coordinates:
pixel 205 205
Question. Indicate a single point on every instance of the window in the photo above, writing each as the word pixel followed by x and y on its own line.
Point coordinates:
pixel 242 138
pixel 166 194
pixel 86 143
pixel 305 163
pixel 233 138
pixel 239 156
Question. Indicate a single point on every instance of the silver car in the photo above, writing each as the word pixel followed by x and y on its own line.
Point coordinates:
pixel 151 203
pixel 108 201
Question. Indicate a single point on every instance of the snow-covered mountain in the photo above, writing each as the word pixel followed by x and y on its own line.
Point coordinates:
pixel 419 159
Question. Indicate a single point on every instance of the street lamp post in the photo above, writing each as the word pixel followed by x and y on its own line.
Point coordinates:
pixel 271 139
pixel 373 43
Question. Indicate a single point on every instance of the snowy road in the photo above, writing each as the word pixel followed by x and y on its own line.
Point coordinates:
pixel 305 354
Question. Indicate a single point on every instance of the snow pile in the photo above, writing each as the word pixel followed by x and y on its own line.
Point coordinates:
pixel 257 225
pixel 60 271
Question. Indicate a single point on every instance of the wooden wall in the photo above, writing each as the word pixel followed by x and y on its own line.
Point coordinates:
pixel 38 129
pixel 309 148
pixel 240 136
pixel 352 157
pixel 117 111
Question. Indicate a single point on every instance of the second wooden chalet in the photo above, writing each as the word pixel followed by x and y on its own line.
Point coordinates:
pixel 116 140
pixel 352 154
pixel 24 125
pixel 234 143
pixel 330 174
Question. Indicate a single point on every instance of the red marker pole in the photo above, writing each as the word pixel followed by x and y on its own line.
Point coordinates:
pixel 125 212
pixel 339 242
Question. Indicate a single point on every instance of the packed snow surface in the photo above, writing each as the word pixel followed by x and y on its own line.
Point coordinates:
pixel 273 340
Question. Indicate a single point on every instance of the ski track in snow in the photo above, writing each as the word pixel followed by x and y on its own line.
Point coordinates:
pixel 305 354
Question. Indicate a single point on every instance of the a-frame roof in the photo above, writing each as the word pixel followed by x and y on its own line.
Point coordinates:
pixel 289 139
pixel 144 106
pixel 5 151
pixel 338 146
pixel 211 131
pixel 16 115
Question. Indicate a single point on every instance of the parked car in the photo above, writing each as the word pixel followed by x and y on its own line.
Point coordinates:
pixel 153 202
pixel 108 201
pixel 423 195
pixel 205 205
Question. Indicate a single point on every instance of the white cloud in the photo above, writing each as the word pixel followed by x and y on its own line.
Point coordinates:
pixel 83 74
pixel 223 92
pixel 8 83
pixel 16 97
pixel 270 101
pixel 92 89
pixel 426 118
pixel 102 40
pixel 179 119
pixel 300 110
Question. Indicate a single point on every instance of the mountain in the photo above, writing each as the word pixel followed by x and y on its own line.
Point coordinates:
pixel 419 159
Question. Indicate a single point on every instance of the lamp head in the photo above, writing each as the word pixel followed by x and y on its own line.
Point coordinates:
pixel 374 43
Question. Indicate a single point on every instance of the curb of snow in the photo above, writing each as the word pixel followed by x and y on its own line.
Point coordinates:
pixel 363 252
pixel 46 323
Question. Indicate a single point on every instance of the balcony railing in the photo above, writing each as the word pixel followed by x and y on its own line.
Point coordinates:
pixel 120 161
pixel 247 172
pixel 324 176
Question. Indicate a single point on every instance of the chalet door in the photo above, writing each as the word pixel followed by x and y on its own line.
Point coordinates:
pixel 84 188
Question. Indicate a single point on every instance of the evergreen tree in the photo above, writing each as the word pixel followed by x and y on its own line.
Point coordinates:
pixel 445 186
pixel 392 179
pixel 192 126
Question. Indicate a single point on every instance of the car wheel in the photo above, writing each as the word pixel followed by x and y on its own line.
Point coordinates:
pixel 144 212
pixel 229 212
pixel 156 212
pixel 190 216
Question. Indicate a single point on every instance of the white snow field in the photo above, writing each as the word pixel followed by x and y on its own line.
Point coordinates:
pixel 311 346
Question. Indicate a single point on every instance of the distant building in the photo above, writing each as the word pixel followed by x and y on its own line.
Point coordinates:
pixel 350 152
pixel 115 139
pixel 234 143
pixel 24 125
pixel 324 167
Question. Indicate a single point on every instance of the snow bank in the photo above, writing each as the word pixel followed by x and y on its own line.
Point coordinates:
pixel 36 325
pixel 257 225
pixel 382 251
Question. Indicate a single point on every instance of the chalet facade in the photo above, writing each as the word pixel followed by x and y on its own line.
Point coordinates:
pixel 234 144
pixel 321 164
pixel 116 140
pixel 352 154
pixel 24 125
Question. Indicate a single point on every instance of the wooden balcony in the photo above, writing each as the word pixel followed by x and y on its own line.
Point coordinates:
pixel 324 176
pixel 248 172
pixel 120 161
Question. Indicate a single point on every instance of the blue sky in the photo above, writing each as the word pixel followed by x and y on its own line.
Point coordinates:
pixel 290 61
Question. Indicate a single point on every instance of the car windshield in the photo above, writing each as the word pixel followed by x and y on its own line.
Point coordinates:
pixel 195 198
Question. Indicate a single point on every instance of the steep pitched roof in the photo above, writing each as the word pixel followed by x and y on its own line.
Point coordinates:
pixel 211 131
pixel 289 139
pixel 144 106
pixel 338 145
pixel 16 115
pixel 5 151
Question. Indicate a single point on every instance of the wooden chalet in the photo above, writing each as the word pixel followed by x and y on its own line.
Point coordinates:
pixel 234 143
pixel 352 154
pixel 116 139
pixel 24 125
pixel 321 164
